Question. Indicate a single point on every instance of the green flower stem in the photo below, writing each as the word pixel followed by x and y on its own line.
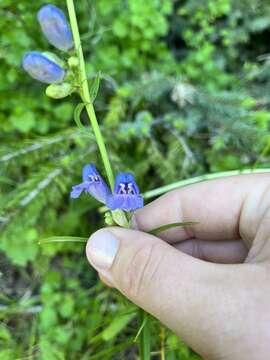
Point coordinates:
pixel 181 183
pixel 85 95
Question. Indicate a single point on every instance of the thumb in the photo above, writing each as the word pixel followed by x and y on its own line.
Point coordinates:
pixel 183 292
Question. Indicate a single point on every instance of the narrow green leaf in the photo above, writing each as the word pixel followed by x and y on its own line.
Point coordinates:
pixel 159 229
pixel 77 116
pixel 116 326
pixel 140 329
pixel 145 339
pixel 62 239
pixel 94 87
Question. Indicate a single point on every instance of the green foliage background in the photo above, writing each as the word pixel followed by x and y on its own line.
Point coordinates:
pixel 185 91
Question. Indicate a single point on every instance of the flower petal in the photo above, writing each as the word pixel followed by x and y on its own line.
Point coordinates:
pixel 41 68
pixel 55 27
pixel 88 171
pixel 97 186
pixel 77 190
pixel 99 190
pixel 125 178
pixel 125 202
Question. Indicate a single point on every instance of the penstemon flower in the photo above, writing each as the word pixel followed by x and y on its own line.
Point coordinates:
pixel 55 27
pixel 41 68
pixel 92 183
pixel 126 194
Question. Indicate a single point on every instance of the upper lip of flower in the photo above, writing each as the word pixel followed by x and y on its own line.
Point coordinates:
pixel 125 184
pixel 126 194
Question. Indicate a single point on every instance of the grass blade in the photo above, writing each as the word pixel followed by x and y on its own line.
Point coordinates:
pixel 161 228
pixel 144 336
pixel 53 239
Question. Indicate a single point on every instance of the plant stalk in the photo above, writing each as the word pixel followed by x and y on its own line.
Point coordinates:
pixel 163 189
pixel 85 94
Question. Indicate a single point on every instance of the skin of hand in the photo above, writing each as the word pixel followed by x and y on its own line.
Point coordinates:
pixel 209 282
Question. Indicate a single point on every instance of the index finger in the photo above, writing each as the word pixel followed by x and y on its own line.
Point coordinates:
pixel 215 204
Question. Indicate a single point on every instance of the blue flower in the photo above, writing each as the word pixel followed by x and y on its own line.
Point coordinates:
pixel 55 27
pixel 92 184
pixel 41 68
pixel 126 194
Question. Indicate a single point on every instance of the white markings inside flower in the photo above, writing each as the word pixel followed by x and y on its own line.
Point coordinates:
pixel 130 189
pixel 94 178
pixel 126 188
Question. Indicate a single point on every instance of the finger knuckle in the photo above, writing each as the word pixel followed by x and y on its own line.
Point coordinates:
pixel 140 271
pixel 197 250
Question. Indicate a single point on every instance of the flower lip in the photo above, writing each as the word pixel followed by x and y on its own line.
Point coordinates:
pixel 125 184
pixel 41 68
pixel 126 194
pixel 92 183
pixel 55 27
pixel 90 173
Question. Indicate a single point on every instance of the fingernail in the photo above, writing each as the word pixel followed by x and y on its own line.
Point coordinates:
pixel 101 249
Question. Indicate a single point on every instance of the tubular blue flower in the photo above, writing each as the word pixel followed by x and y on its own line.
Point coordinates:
pixel 92 183
pixel 126 194
pixel 55 27
pixel 41 68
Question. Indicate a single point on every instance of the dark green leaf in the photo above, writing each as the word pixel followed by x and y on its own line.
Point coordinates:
pixel 117 325
pixel 162 228
pixel 145 337
pixel 62 239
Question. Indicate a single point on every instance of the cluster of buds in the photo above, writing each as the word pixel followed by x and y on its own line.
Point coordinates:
pixel 47 67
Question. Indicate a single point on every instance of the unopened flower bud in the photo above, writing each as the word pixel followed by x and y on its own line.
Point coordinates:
pixel 73 62
pixel 55 27
pixel 42 68
pixel 59 91
pixel 108 219
pixel 119 217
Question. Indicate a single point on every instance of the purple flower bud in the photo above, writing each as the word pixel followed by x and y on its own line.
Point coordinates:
pixel 41 68
pixel 126 194
pixel 92 184
pixel 55 27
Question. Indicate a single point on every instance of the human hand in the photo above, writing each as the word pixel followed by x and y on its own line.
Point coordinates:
pixel 215 292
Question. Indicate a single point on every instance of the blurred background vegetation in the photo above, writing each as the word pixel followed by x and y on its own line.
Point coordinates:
pixel 185 91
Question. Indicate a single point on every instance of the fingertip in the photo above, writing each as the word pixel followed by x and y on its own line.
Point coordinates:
pixel 101 249
pixel 108 281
